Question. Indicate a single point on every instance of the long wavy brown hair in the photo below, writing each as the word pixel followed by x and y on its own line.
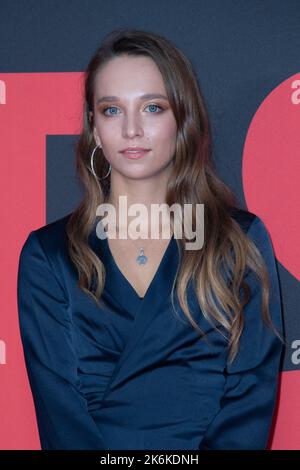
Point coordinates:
pixel 227 251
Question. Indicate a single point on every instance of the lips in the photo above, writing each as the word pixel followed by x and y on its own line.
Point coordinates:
pixel 138 149
pixel 136 152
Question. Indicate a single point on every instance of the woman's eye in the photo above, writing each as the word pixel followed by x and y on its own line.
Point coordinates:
pixel 114 107
pixel 154 106
pixel 105 109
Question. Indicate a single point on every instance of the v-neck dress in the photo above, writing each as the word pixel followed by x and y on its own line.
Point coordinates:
pixel 131 373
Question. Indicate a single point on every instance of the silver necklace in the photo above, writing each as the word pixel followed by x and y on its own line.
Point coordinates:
pixel 141 259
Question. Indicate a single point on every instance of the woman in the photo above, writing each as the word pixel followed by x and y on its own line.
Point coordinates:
pixel 164 348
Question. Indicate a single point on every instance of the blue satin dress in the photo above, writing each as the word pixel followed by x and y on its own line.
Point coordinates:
pixel 132 374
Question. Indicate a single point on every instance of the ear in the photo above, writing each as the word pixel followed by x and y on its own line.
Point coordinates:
pixel 96 137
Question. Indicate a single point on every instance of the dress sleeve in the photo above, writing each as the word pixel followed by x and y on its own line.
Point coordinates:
pixel 47 337
pixel 247 405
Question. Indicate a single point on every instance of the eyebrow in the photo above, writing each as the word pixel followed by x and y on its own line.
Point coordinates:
pixel 150 96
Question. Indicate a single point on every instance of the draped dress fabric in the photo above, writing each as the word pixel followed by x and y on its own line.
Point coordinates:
pixel 131 373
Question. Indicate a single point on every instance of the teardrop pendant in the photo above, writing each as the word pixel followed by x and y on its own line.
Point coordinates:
pixel 142 258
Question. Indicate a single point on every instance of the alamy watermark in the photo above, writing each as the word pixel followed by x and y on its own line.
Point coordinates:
pixel 138 227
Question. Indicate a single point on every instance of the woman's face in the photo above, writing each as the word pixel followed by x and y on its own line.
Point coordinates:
pixel 128 120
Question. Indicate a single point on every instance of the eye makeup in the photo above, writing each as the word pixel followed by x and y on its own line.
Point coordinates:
pixel 103 109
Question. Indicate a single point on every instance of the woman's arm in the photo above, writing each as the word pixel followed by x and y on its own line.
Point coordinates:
pixel 47 337
pixel 247 406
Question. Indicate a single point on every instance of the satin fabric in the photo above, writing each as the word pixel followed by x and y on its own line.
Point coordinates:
pixel 132 374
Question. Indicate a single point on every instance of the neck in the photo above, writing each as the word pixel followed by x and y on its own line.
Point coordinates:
pixel 146 191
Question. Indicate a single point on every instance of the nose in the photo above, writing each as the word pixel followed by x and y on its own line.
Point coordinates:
pixel 132 125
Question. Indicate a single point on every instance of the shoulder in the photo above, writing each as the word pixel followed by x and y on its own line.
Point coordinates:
pixel 252 225
pixel 243 217
pixel 257 231
pixel 51 237
pixel 47 246
pixel 258 342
